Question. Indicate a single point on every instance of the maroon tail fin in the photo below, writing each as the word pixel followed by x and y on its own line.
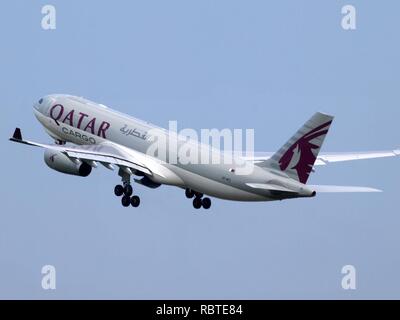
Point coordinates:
pixel 297 157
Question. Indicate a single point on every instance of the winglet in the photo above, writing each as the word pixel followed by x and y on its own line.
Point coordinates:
pixel 17 136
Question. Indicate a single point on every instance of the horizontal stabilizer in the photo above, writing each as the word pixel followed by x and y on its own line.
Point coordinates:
pixel 268 186
pixel 280 192
pixel 331 157
pixel 324 159
pixel 322 188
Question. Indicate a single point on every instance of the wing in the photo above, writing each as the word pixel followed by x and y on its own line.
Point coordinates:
pixel 106 154
pixel 326 158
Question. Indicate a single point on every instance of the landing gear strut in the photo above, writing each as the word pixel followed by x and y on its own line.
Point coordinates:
pixel 198 200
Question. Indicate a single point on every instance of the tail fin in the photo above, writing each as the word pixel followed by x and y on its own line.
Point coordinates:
pixel 296 158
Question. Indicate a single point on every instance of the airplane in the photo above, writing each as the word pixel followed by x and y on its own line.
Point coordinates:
pixel 87 134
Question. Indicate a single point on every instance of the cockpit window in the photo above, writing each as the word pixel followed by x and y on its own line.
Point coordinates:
pixel 40 101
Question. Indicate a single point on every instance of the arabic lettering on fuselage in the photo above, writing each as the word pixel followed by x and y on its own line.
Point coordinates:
pixel 133 132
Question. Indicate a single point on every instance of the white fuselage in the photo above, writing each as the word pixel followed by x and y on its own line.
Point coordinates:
pixel 80 121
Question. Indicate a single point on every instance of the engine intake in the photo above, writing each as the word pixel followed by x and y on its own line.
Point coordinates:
pixel 60 162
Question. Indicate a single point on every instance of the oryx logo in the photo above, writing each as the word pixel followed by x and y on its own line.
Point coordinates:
pixel 52 157
pixel 300 155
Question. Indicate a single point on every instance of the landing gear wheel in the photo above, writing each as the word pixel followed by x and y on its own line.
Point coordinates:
pixel 126 201
pixel 189 193
pixel 118 190
pixel 135 201
pixel 197 203
pixel 128 190
pixel 206 203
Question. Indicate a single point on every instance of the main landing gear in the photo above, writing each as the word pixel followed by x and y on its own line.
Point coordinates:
pixel 126 191
pixel 198 200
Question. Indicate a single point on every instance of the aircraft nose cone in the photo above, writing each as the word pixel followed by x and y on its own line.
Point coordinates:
pixel 43 104
pixel 37 105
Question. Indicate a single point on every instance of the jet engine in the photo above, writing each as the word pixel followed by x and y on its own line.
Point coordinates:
pixel 60 162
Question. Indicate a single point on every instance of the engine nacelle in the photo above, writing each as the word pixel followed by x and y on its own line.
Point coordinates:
pixel 60 162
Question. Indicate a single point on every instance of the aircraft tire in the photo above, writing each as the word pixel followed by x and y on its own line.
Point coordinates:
pixel 118 190
pixel 189 193
pixel 197 203
pixel 206 203
pixel 135 201
pixel 126 201
pixel 128 190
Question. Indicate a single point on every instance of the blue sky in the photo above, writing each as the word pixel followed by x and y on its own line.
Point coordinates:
pixel 267 65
